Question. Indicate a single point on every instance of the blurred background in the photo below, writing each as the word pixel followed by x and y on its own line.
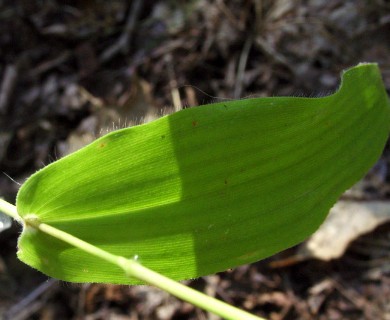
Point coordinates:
pixel 71 71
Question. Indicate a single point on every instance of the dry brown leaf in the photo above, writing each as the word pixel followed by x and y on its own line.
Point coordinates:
pixel 347 221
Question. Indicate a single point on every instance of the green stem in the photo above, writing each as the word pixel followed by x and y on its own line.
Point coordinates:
pixel 134 269
pixel 9 210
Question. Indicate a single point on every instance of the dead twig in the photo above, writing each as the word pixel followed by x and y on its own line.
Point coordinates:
pixel 241 67
pixel 357 300
pixel 175 94
pixel 271 53
pixel 229 15
pixel 49 65
pixel 29 304
pixel 123 42
pixel 8 84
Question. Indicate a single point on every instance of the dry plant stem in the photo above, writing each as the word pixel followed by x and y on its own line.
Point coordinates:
pixel 27 306
pixel 135 269
pixel 241 67
pixel 7 86
pixel 122 44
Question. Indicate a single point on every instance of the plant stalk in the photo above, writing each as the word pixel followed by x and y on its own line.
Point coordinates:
pixel 134 269
pixel 9 210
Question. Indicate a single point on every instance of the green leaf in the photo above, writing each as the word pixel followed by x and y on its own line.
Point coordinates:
pixel 207 188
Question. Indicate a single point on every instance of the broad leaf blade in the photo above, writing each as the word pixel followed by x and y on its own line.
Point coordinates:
pixel 207 188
